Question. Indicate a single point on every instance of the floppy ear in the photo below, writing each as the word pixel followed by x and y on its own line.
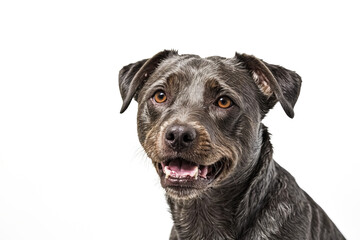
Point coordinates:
pixel 275 82
pixel 133 76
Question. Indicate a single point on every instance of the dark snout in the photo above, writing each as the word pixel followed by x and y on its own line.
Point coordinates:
pixel 180 137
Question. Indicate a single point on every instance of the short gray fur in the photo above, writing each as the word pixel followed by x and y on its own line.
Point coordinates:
pixel 253 197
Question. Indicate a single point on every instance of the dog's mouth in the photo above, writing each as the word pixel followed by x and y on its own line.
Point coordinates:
pixel 181 173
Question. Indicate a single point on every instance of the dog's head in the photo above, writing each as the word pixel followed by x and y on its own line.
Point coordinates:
pixel 199 118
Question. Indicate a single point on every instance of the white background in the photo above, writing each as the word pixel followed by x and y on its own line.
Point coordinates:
pixel 71 166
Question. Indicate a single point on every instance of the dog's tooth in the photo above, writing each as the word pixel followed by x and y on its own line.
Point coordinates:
pixel 167 172
pixel 196 173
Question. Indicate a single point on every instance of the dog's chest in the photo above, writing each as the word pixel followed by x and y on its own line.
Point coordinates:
pixel 202 221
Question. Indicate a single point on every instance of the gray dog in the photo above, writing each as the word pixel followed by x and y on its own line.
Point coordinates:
pixel 199 121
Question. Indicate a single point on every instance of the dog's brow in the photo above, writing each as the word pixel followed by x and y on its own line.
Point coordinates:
pixel 163 81
pixel 213 85
pixel 173 80
pixel 157 84
pixel 218 88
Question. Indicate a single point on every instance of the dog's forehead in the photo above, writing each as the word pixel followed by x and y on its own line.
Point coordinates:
pixel 195 74
pixel 191 68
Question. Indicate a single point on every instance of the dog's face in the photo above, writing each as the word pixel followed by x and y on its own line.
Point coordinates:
pixel 199 119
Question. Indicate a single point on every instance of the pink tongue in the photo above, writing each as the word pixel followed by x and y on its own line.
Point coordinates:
pixel 183 168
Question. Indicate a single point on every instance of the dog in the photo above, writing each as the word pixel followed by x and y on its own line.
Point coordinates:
pixel 200 122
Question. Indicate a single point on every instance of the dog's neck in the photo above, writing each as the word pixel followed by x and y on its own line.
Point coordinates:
pixel 211 215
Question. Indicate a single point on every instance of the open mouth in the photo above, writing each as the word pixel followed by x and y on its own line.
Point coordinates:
pixel 179 172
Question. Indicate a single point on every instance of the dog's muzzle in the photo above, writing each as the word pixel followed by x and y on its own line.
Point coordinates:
pixel 185 165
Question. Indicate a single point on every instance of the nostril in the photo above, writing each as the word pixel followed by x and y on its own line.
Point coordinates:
pixel 188 137
pixel 170 136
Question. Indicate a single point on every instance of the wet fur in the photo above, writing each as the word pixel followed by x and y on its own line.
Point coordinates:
pixel 253 198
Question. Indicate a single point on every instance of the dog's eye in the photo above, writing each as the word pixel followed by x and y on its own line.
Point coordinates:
pixel 159 97
pixel 224 102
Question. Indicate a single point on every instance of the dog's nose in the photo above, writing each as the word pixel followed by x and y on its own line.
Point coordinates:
pixel 180 137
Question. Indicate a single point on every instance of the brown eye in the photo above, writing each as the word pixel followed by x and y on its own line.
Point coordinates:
pixel 224 102
pixel 159 97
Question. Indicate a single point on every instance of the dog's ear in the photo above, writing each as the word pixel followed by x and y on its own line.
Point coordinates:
pixel 275 82
pixel 133 76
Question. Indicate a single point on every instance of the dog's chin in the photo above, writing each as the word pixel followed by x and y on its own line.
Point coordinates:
pixel 184 179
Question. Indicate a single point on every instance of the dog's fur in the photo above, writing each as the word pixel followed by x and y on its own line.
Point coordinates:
pixel 250 196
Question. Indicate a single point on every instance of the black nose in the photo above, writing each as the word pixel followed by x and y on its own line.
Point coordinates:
pixel 180 137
